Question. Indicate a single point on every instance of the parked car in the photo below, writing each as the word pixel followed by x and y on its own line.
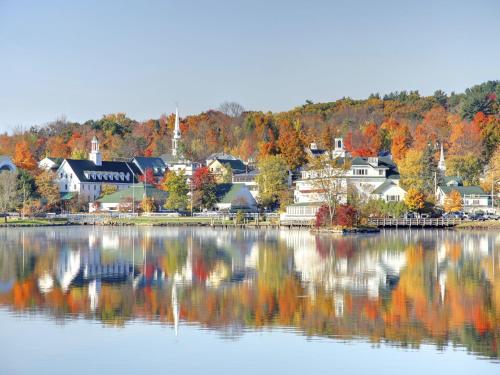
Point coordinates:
pixel 490 216
pixel 453 215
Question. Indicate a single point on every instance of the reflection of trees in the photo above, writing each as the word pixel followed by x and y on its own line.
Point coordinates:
pixel 445 291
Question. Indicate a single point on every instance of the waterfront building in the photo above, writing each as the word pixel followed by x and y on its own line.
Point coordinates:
pixel 124 198
pixel 234 197
pixel 87 177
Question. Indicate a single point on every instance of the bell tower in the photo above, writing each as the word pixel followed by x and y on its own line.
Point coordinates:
pixel 177 135
pixel 95 155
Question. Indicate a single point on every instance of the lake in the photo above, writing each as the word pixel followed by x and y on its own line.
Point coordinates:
pixel 80 300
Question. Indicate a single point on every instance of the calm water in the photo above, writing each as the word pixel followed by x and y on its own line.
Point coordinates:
pixel 137 300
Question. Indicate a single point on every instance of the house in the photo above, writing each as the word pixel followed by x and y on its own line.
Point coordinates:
pixel 373 177
pixel 86 177
pixel 389 191
pixel 176 161
pixel 301 212
pixel 219 155
pixel 249 179
pixel 156 165
pixel 135 193
pixel 474 198
pixel 338 150
pixel 6 164
pixel 224 169
pixel 50 164
pixel 234 197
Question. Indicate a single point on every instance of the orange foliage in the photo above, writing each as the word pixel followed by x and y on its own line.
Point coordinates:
pixel 23 157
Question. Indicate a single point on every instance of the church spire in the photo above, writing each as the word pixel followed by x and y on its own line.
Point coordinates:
pixel 177 134
pixel 442 164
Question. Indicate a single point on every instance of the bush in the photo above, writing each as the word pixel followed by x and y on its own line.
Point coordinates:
pixel 346 215
pixel 322 217
pixel 240 217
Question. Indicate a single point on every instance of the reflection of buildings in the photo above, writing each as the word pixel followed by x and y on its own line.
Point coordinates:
pixel 365 272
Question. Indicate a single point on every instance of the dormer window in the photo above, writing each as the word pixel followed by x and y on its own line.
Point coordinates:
pixel 122 176
pixel 99 176
pixel 127 176
pixel 105 176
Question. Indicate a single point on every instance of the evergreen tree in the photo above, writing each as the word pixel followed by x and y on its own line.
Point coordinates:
pixel 429 174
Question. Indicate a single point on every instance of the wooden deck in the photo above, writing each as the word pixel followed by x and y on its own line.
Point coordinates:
pixel 409 223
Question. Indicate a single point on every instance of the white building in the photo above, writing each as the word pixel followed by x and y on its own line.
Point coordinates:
pixel 86 177
pixel 176 161
pixel 49 163
pixel 373 177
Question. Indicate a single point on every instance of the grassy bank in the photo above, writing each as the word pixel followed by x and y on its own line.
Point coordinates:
pixel 27 222
pixel 488 224
pixel 144 220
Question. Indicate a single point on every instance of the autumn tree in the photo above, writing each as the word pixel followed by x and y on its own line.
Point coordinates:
pixel 272 179
pixel 8 192
pixel 147 204
pixel 176 186
pixel 148 177
pixel 204 188
pixel 291 147
pixel 47 188
pixel 23 157
pixel 469 167
pixel 401 141
pixel 107 189
pixel 414 199
pixel 410 168
pixel 453 201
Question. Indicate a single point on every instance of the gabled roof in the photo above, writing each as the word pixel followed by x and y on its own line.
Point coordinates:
pixel 227 193
pixel 448 179
pixel 221 155
pixel 237 165
pixel 80 166
pixel 157 165
pixel 138 191
pixel 387 184
pixel 463 190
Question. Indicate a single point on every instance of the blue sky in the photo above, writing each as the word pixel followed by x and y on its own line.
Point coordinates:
pixel 82 59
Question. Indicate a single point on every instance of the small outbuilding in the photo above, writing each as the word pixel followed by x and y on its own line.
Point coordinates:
pixel 123 198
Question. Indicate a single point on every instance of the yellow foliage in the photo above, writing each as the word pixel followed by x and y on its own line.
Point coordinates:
pixel 453 202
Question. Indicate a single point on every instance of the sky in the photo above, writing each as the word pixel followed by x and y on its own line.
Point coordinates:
pixel 83 59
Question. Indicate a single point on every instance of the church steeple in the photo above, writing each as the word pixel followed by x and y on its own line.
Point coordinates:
pixel 95 155
pixel 441 163
pixel 177 135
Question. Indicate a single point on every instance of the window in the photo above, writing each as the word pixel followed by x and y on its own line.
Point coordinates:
pixel 61 175
pixel 360 172
pixel 380 172
pixel 393 198
pixel 66 187
pixel 74 186
pixel 475 202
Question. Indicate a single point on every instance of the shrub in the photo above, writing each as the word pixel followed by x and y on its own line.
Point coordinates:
pixel 346 215
pixel 322 217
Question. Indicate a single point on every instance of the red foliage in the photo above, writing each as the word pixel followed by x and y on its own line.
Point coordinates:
pixel 346 215
pixel 148 177
pixel 202 176
pixel 363 143
pixel 322 217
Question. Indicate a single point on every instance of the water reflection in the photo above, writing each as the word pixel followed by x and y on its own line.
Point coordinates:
pixel 401 287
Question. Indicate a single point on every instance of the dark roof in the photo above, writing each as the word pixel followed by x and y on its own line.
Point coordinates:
pixel 80 166
pixel 157 165
pixel 138 191
pixel 463 190
pixel 316 151
pixel 383 162
pixel 237 166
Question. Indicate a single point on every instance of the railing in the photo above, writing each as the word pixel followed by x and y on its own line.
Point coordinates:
pixel 421 222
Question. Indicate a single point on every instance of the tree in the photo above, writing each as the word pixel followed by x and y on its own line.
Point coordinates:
pixel 272 179
pixel 328 179
pixel 148 177
pixel 414 200
pixel 453 202
pixel 148 204
pixel 107 189
pixel 26 186
pixel 8 192
pixel 48 189
pixel 291 147
pixel 480 98
pixel 231 109
pixel 177 188
pixel 322 218
pixel 346 215
pixel 78 154
pixel 401 142
pixel 410 169
pixel 23 157
pixel 204 187
pixel 469 167
pixel 429 175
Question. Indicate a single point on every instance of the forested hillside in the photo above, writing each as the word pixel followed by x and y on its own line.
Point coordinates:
pixel 402 123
